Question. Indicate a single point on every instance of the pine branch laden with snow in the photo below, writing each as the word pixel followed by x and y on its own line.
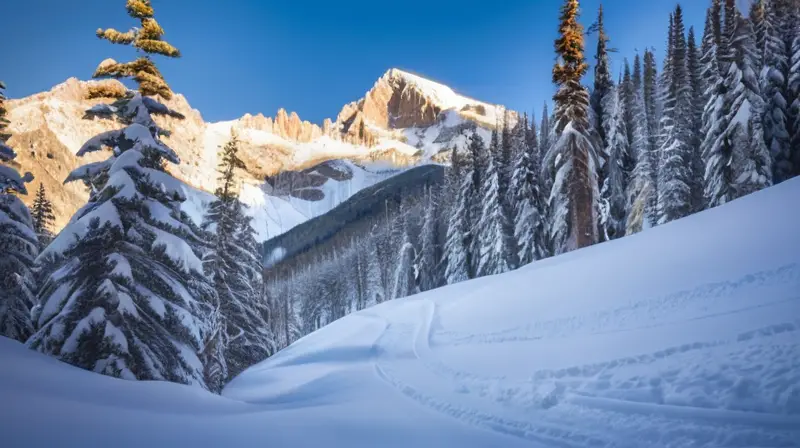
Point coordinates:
pixel 430 256
pixel 234 264
pixel 19 247
pixel 779 29
pixel 497 253
pixel 737 159
pixel 641 189
pixel 574 199
pixel 527 198
pixel 457 246
pixel 613 199
pixel 128 297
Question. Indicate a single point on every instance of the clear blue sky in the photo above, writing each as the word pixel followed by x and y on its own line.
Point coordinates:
pixel 313 57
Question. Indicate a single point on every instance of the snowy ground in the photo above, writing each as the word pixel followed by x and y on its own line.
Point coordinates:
pixel 685 335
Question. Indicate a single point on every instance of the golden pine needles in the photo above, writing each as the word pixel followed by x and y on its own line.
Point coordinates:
pixel 146 38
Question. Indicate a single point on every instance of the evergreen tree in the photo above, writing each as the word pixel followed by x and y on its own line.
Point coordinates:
pixel 234 264
pixel 628 97
pixel 675 161
pixel 717 155
pixel 375 290
pixel 18 246
pixel 603 84
pixel 574 197
pixel 430 253
pixel 129 298
pixel 528 198
pixel 650 94
pixel 497 252
pixel 737 160
pixel 146 38
pixel 457 244
pixel 779 32
pixel 641 189
pixel 403 278
pixel 613 194
pixel 43 217
pixel 544 131
pixel 476 172
pixel 698 100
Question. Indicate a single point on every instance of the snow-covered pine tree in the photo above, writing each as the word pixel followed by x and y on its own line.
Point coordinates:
pixel 573 202
pixel 544 131
pixel 429 256
pixel 403 278
pixel 546 137
pixel 129 298
pixel 504 163
pixel 755 171
pixel 777 92
pixel 528 198
pixel 18 245
pixel 476 171
pixel 457 245
pixel 43 217
pixel 718 175
pixel 531 134
pixel 698 100
pixel 675 166
pixel 641 189
pixel 603 84
pixel 613 194
pixel 737 159
pixel 495 236
pixel 627 97
pixel 650 94
pixel 234 265
pixel 374 285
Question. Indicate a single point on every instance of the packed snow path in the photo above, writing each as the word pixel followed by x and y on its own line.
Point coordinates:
pixel 685 335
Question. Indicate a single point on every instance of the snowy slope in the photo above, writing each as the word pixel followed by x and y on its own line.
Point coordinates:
pixel 276 214
pixel 685 335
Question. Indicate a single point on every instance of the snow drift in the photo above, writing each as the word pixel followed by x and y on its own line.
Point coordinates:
pixel 684 335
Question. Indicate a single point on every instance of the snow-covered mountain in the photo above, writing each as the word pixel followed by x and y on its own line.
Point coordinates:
pixel 402 121
pixel 683 335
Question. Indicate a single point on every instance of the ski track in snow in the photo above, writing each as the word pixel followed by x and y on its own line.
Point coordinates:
pixel 405 359
pixel 655 310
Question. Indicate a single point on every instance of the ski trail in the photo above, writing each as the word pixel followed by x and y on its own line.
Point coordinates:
pixel 465 408
pixel 534 409
pixel 729 296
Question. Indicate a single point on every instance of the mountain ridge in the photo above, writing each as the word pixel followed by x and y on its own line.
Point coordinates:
pixel 404 117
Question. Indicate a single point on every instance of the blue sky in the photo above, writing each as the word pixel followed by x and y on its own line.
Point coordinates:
pixel 313 57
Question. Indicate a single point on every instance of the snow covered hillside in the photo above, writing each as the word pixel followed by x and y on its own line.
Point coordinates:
pixel 684 335
pixel 275 213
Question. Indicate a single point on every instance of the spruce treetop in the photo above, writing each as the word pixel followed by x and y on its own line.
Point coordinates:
pixel 147 38
pixel 571 64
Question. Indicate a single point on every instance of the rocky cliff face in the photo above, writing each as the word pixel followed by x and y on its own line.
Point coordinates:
pixel 402 121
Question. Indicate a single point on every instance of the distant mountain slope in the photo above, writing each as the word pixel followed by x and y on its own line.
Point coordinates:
pixel 367 204
pixel 402 121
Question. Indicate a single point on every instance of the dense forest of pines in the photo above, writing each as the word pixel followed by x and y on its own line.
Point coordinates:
pixel 133 288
